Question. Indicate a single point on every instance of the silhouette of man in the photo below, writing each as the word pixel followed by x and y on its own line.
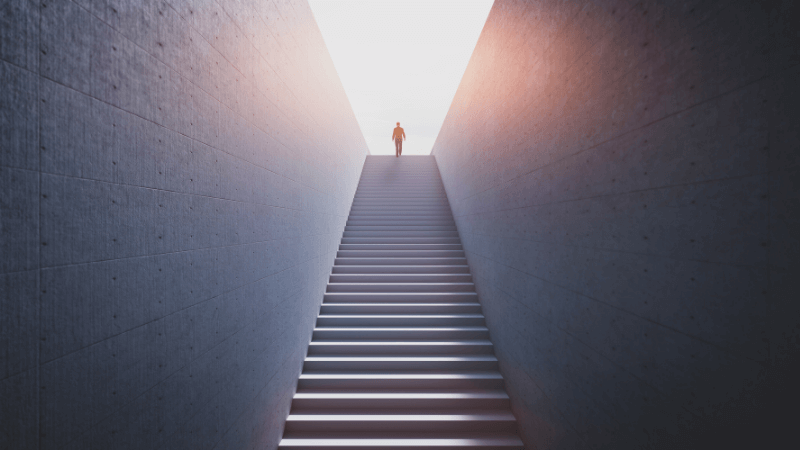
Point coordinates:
pixel 398 137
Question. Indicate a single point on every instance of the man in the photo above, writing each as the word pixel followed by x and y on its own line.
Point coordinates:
pixel 398 137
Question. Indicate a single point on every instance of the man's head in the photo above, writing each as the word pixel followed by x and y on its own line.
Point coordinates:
pixel 398 124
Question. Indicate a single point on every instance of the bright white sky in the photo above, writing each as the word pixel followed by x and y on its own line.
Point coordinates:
pixel 400 61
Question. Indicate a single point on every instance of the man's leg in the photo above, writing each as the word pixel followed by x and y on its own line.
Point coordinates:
pixel 396 147
pixel 399 146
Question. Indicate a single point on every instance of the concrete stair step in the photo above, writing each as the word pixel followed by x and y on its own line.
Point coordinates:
pixel 401 278
pixel 387 175
pixel 403 240
pixel 408 202
pixel 396 194
pixel 398 297
pixel 401 287
pixel 401 219
pixel 399 261
pixel 401 443
pixel 400 308
pixel 476 421
pixel 400 382
pixel 400 192
pixel 474 399
pixel 400 210
pixel 399 213
pixel 382 202
pixel 401 334
pixel 400 247
pixel 400 216
pixel 403 269
pixel 380 181
pixel 400 347
pixel 398 173
pixel 398 227
pixel 401 186
pixel 359 221
pixel 400 254
pixel 395 212
pixel 390 192
pixel 406 363
pixel 399 233
pixel 403 320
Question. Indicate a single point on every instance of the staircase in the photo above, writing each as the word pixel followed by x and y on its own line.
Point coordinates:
pixel 400 357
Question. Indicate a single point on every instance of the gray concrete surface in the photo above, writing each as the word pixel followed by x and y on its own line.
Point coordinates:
pixel 624 177
pixel 175 177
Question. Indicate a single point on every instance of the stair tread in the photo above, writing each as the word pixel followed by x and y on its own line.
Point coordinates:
pixel 489 394
pixel 393 442
pixel 420 343
pixel 402 358
pixel 404 375
pixel 409 305
pixel 399 293
pixel 401 316
pixel 484 415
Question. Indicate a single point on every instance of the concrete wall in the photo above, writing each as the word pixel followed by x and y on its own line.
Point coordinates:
pixel 175 176
pixel 624 176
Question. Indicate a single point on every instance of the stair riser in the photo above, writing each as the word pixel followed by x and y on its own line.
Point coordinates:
pixel 378 201
pixel 401 287
pixel 400 253
pixel 396 366
pixel 419 269
pixel 374 234
pixel 397 217
pixel 402 219
pixel 401 222
pixel 370 446
pixel 400 228
pixel 410 426
pixel 398 350
pixel 305 405
pixel 406 209
pixel 403 240
pixel 308 405
pixel 398 261
pixel 398 385
pixel 405 204
pixel 392 297
pixel 419 321
pixel 377 198
pixel 409 209
pixel 400 211
pixel 419 308
pixel 427 190
pixel 397 213
pixel 432 278
pixel 375 247
pixel 404 195
pixel 386 175
pixel 387 335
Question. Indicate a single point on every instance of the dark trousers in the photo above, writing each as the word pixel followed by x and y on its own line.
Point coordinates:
pixel 398 147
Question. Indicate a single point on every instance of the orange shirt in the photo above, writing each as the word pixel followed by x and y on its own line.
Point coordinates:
pixel 398 133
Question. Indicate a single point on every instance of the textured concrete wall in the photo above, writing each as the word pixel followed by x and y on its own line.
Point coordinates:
pixel 175 176
pixel 624 176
